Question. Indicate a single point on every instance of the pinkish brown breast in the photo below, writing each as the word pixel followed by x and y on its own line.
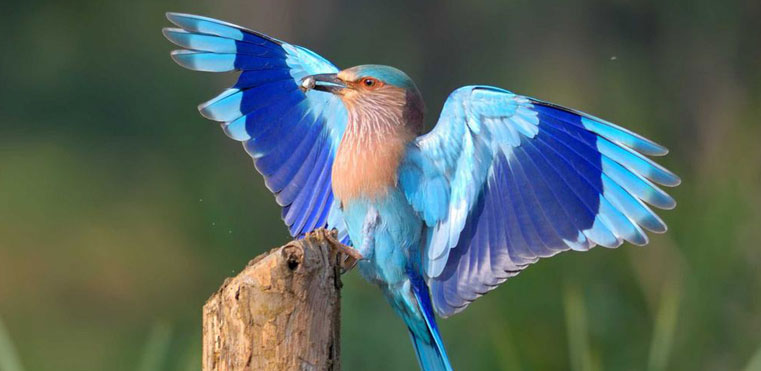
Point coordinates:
pixel 367 167
pixel 373 144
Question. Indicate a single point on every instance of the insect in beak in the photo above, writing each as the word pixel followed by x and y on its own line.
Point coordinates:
pixel 327 82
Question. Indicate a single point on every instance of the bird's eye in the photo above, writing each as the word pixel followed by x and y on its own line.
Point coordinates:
pixel 369 82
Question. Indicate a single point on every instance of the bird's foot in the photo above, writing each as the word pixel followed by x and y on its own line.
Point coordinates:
pixel 348 257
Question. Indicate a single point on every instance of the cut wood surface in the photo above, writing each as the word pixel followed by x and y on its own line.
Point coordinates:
pixel 280 313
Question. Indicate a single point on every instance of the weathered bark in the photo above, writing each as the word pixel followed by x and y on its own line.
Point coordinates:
pixel 280 313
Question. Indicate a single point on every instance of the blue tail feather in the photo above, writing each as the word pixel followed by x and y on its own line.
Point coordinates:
pixel 429 347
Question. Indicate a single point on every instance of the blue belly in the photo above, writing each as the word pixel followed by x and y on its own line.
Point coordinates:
pixel 386 231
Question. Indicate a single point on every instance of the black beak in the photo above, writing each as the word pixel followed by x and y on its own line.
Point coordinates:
pixel 328 82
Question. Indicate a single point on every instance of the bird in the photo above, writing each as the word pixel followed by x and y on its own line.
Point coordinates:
pixel 435 219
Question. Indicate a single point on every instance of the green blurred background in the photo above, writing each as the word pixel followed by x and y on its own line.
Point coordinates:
pixel 122 210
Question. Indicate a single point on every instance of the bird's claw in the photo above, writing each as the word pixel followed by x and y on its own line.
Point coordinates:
pixel 349 256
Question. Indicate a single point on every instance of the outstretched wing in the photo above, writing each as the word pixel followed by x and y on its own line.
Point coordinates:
pixel 291 135
pixel 503 180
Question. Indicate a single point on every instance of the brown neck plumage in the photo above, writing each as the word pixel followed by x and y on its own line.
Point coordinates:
pixel 379 127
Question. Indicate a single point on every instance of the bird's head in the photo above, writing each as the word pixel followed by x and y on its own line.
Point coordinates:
pixel 373 90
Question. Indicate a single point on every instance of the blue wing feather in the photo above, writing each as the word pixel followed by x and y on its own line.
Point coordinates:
pixel 249 79
pixel 580 156
pixel 217 44
pixel 606 129
pixel 503 180
pixel 280 138
pixel 291 135
pixel 316 186
pixel 547 183
pixel 203 61
pixel 534 227
pixel 210 26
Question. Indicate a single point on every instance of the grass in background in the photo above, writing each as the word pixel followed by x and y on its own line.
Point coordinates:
pixel 504 347
pixel 581 357
pixel 665 325
pixel 578 337
pixel 9 359
pixel 191 360
pixel 156 348
pixel 755 361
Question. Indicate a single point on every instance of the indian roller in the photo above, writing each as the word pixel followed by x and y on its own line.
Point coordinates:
pixel 437 219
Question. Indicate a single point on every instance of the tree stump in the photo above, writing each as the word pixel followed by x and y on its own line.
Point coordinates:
pixel 280 313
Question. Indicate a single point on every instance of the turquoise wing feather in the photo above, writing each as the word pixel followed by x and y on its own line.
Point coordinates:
pixel 503 180
pixel 291 135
